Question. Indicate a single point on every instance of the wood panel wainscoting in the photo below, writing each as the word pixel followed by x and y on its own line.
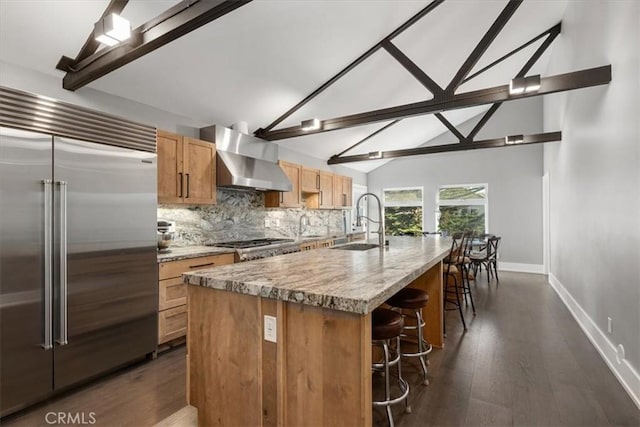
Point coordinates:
pixel 317 373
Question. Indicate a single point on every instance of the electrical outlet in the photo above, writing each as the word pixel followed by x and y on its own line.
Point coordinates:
pixel 609 325
pixel 267 223
pixel 277 223
pixel 270 329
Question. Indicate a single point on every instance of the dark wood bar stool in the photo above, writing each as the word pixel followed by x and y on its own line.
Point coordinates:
pixel 386 325
pixel 414 299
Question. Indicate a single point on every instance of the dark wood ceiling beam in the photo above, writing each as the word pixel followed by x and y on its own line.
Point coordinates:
pixel 451 127
pixel 415 18
pixel 484 44
pixel 91 45
pixel 413 69
pixel 554 30
pixel 458 146
pixel 559 83
pixel 148 38
pixel 365 139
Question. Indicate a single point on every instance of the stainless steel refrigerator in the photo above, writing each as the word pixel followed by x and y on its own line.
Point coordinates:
pixel 78 271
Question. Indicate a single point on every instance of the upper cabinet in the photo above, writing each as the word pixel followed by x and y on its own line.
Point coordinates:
pixel 326 190
pixel 342 191
pixel 310 180
pixel 312 188
pixel 287 199
pixel 186 170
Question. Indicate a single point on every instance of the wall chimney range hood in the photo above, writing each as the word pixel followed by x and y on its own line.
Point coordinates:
pixel 244 161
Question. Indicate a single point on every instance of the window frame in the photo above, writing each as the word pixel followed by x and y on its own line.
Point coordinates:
pixel 463 202
pixel 384 202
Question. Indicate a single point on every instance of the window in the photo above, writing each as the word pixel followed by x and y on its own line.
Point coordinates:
pixel 462 208
pixel 402 211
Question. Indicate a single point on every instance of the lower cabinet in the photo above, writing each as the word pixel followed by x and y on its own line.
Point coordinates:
pixel 172 293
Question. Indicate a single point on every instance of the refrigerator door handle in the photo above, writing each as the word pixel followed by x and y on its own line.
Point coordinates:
pixel 62 339
pixel 48 271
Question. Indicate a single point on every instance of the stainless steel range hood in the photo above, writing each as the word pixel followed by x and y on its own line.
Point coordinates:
pixel 245 161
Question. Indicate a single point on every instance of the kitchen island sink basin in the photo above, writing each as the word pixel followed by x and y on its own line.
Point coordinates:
pixel 357 247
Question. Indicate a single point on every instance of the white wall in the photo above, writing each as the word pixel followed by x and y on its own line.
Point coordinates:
pixel 24 79
pixel 514 176
pixel 595 179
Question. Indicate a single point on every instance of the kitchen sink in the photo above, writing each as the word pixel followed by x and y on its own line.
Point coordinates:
pixel 356 247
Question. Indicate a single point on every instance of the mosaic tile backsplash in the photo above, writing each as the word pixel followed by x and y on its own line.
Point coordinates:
pixel 241 215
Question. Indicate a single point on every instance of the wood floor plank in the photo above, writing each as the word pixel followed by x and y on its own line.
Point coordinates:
pixel 523 361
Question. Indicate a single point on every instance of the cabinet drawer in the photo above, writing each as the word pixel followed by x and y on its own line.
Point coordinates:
pixel 169 270
pixel 172 324
pixel 172 293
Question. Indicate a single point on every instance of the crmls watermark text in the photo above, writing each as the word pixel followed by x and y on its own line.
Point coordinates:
pixel 70 418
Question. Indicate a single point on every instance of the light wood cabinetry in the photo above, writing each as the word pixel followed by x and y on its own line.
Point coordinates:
pixel 172 293
pixel 326 190
pixel 316 189
pixel 287 199
pixel 342 191
pixel 307 246
pixel 186 170
pixel 310 180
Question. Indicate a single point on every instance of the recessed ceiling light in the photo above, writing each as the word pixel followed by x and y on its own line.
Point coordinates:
pixel 112 29
pixel 514 139
pixel 311 124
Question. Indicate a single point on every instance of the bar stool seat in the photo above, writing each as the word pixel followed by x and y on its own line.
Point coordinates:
pixel 414 299
pixel 386 325
pixel 409 298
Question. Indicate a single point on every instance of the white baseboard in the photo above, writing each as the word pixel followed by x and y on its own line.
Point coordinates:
pixel 521 268
pixel 624 372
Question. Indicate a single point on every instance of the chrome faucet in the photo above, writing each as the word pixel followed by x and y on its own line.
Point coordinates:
pixel 303 222
pixel 381 239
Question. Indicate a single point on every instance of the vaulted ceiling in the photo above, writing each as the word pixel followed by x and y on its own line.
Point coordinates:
pixel 258 61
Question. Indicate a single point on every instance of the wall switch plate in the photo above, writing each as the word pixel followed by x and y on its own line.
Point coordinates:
pixel 267 223
pixel 609 325
pixel 270 329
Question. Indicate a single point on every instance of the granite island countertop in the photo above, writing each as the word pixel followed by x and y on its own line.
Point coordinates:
pixel 188 252
pixel 345 280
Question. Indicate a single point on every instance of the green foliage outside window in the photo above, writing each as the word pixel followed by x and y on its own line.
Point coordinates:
pixel 403 220
pixel 457 219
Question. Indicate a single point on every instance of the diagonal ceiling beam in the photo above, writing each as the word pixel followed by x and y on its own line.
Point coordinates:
pixel 553 30
pixel 91 45
pixel 451 127
pixel 181 19
pixel 413 69
pixel 365 139
pixel 415 18
pixel 553 33
pixel 458 146
pixel 484 44
pixel 559 83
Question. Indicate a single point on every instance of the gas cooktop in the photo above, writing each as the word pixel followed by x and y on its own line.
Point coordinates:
pixel 241 244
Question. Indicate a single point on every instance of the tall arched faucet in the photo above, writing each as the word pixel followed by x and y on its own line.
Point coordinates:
pixel 380 221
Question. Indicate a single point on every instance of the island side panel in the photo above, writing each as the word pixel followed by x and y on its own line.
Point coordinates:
pixel 225 351
pixel 431 281
pixel 328 367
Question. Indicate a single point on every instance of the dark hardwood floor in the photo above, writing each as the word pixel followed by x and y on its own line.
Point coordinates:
pixel 523 361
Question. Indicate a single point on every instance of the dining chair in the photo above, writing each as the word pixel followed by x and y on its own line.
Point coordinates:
pixel 488 258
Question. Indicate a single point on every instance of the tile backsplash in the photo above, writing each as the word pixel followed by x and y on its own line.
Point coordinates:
pixel 240 215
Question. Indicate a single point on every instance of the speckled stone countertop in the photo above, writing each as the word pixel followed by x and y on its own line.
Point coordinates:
pixel 352 281
pixel 187 252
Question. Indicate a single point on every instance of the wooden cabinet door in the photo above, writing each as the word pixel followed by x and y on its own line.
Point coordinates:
pixel 199 159
pixel 337 191
pixel 310 180
pixel 326 190
pixel 347 191
pixel 287 199
pixel 170 176
pixel 291 199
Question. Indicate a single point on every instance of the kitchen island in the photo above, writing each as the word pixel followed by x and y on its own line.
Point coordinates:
pixel 318 370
